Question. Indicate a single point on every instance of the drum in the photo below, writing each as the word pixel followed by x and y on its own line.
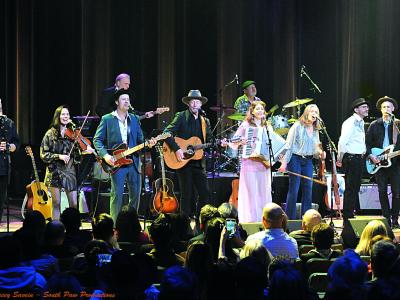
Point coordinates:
pixel 232 153
pixel 280 124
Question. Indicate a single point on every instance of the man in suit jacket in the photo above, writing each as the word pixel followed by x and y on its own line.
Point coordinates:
pixel 115 128
pixel 186 124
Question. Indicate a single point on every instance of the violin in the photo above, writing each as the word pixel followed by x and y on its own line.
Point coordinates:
pixel 76 136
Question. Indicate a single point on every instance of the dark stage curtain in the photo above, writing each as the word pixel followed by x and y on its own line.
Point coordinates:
pixel 56 52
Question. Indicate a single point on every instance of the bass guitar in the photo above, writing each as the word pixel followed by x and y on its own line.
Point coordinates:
pixel 164 198
pixel 158 111
pixel 39 197
pixel 192 150
pixel 121 152
pixel 384 156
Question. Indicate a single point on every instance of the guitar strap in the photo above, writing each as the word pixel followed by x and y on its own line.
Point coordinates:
pixel 203 128
pixel 395 132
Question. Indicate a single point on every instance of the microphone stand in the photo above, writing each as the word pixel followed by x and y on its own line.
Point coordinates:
pixel 314 87
pixel 332 150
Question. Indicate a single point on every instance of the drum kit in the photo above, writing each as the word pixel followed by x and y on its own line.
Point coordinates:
pixel 228 160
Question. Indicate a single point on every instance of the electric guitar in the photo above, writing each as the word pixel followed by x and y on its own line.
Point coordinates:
pixel 384 156
pixel 192 150
pixel 164 198
pixel 39 197
pixel 158 111
pixel 121 152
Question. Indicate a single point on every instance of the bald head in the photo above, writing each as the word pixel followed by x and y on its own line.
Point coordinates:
pixel 273 216
pixel 310 219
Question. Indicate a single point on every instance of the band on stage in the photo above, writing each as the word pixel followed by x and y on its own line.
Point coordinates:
pixel 256 144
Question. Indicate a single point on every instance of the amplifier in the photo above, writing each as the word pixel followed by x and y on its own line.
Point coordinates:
pixel 369 197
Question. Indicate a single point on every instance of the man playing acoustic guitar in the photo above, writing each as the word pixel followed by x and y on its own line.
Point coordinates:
pixel 186 124
pixel 382 133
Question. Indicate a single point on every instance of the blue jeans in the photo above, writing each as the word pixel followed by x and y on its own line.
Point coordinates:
pixel 304 166
pixel 132 177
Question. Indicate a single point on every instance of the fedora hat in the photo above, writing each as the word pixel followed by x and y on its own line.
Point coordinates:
pixel 358 102
pixel 194 94
pixel 247 83
pixel 120 92
pixel 386 98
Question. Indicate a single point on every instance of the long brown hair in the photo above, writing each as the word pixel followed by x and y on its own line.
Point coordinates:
pixel 250 116
pixel 303 118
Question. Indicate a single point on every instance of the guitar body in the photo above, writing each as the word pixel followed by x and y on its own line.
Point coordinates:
pixel 122 161
pixel 233 199
pixel 39 198
pixel 164 198
pixel 384 155
pixel 188 147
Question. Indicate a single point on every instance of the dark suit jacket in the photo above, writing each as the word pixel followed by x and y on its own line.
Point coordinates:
pixel 108 135
pixel 8 132
pixel 376 134
pixel 180 127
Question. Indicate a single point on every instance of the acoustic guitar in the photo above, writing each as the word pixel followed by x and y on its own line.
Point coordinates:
pixel 158 111
pixel 121 153
pixel 164 198
pixel 39 197
pixel 192 150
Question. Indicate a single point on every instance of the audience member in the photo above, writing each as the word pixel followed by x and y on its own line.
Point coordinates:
pixel 103 229
pixel 274 238
pixel 251 279
pixel 256 249
pixel 74 236
pixel 310 218
pixel 287 283
pixel 161 234
pixel 207 212
pixel 181 231
pixel 65 284
pixel 347 277
pixel 15 277
pixel 373 228
pixel 322 237
pixel 227 210
pixel 178 284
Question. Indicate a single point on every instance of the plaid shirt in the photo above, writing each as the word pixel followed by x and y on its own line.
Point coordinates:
pixel 242 104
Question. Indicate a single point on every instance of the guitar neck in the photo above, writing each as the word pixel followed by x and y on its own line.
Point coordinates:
pixel 134 149
pixel 35 172
pixel 394 154
pixel 202 146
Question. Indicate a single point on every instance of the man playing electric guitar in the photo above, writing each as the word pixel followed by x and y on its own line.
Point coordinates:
pixel 382 133
pixel 186 124
pixel 116 128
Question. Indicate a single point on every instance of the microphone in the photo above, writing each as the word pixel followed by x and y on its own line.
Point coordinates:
pixel 131 108
pixel 70 122
pixel 390 114
pixel 237 79
pixel 302 70
pixel 319 118
pixel 202 112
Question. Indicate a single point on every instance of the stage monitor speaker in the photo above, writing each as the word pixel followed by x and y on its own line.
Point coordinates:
pixel 252 227
pixel 369 197
pixel 353 228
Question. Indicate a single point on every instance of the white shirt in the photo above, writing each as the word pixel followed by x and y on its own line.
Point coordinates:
pixel 123 126
pixel 352 138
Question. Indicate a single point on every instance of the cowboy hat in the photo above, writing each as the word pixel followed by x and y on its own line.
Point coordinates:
pixel 194 94
pixel 386 98
pixel 358 102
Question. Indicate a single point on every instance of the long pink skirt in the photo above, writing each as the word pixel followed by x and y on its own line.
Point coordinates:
pixel 254 190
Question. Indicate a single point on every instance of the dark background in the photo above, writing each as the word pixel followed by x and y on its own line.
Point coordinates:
pixel 66 52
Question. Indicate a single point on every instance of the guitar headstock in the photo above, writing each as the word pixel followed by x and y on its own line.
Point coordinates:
pixel 29 151
pixel 163 136
pixel 161 110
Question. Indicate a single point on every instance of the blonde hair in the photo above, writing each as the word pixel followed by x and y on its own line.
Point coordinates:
pixel 303 118
pixel 311 218
pixel 250 116
pixel 373 228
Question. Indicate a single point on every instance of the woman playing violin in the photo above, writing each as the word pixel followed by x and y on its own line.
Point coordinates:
pixel 60 154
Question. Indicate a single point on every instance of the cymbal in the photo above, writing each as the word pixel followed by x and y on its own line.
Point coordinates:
pixel 273 109
pixel 292 120
pixel 298 102
pixel 237 117
pixel 222 108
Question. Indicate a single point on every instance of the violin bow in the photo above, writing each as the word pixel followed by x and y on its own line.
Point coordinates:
pixel 306 177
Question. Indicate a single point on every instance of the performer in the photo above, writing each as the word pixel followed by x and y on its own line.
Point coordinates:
pixel 382 133
pixel 106 102
pixel 55 151
pixel 255 178
pixel 187 124
pixel 242 103
pixel 116 128
pixel 9 142
pixel 351 148
pixel 302 145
